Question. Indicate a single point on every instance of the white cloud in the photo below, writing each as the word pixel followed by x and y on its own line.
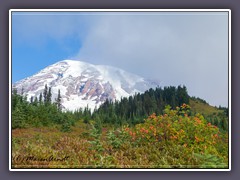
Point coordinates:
pixel 190 50
pixel 187 48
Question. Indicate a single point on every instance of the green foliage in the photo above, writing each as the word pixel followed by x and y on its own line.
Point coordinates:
pixel 66 127
pixel 18 118
pixel 136 132
pixel 115 139
pixel 213 115
pixel 210 161
pixel 176 129
pixel 98 125
pixel 38 114
pixel 96 142
pixel 134 109
pixel 58 101
pixel 171 140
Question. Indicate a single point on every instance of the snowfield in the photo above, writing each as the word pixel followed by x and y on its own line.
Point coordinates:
pixel 83 84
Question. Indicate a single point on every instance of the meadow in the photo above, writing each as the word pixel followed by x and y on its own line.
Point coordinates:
pixel 175 139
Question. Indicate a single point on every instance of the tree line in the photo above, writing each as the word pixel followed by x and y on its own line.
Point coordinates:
pixel 42 111
pixel 134 109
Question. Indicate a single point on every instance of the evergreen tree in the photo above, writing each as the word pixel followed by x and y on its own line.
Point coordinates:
pixel 40 98
pixel 137 107
pixel 15 99
pixel 58 101
pixel 49 96
pixel 18 117
pixel 35 102
pixel 31 99
pixel 45 93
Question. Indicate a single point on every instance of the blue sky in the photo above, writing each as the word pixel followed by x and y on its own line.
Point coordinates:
pixel 189 48
pixel 34 46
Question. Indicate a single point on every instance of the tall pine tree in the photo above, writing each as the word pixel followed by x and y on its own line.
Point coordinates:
pixel 58 101
pixel 45 92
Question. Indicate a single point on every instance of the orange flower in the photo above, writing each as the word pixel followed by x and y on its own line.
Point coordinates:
pixel 197 139
pixel 153 116
pixel 197 120
pixel 173 137
pixel 142 130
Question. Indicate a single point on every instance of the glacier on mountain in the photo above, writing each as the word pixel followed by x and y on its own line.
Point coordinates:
pixel 83 84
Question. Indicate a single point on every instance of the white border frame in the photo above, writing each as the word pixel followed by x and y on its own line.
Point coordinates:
pixel 119 10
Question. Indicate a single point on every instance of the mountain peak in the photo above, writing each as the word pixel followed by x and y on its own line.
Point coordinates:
pixel 83 84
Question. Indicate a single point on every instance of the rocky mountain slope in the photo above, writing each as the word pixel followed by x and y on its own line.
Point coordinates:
pixel 82 84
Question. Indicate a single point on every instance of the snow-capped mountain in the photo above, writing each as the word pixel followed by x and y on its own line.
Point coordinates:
pixel 82 84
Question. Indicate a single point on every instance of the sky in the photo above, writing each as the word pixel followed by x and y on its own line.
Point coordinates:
pixel 173 48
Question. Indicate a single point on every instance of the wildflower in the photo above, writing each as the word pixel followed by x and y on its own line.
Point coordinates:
pixel 181 131
pixel 153 116
pixel 197 139
pixel 197 120
pixel 142 130
pixel 133 136
pixel 130 133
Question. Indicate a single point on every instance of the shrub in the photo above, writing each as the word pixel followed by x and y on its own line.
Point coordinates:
pixel 176 128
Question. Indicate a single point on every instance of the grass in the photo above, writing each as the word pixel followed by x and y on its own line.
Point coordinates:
pixel 202 108
pixel 84 147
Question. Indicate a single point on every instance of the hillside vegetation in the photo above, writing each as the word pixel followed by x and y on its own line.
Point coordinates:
pixel 214 115
pixel 141 136
pixel 202 107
